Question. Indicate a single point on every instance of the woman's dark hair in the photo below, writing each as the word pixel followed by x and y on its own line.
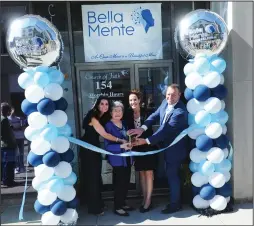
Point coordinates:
pixel 95 113
pixel 5 109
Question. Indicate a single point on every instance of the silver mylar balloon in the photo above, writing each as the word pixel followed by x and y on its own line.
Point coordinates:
pixel 33 41
pixel 201 31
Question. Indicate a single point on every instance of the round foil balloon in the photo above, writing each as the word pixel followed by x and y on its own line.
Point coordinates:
pixel 201 31
pixel 33 41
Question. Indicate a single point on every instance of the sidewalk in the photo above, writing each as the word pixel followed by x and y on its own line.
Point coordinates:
pixel 242 215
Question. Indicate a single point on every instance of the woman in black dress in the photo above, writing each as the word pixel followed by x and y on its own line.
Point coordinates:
pixel 91 162
pixel 135 117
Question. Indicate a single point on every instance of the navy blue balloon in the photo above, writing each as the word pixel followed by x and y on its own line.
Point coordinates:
pixel 204 143
pixel 73 203
pixel 51 158
pixel 207 192
pixel 195 190
pixel 188 94
pixel 46 106
pixel 58 207
pixel 220 92
pixel 225 190
pixel 28 107
pixel 222 141
pixel 39 208
pixel 201 93
pixel 67 156
pixel 61 104
pixel 34 160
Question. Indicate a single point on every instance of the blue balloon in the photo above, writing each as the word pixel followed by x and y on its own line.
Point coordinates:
pixel 222 141
pixel 56 76
pixel 70 180
pixel 219 64
pixel 73 204
pixel 225 190
pixel 188 94
pixel 34 160
pixel 65 130
pixel 191 119
pixel 67 156
pixel 46 106
pixel 220 117
pixel 193 167
pixel 207 192
pixel 204 143
pixel 49 132
pixel 201 93
pixel 39 208
pixel 61 104
pixel 206 168
pixel 224 165
pixel 41 79
pixel 51 158
pixel 28 107
pixel 220 92
pixel 58 207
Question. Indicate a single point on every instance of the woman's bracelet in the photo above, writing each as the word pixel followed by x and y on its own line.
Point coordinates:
pixel 117 139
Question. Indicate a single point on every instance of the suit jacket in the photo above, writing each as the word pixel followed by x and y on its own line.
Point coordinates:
pixel 114 147
pixel 175 123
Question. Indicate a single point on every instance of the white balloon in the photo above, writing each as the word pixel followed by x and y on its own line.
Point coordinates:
pixel 70 216
pixel 228 199
pixel 222 79
pixel 200 203
pixel 194 106
pixel 197 156
pixel 25 80
pixel 227 176
pixel 34 93
pixel 223 105
pixel 43 172
pixel 38 184
pixel 218 203
pixel 213 130
pixel 224 129
pixel 212 105
pixel 32 133
pixel 58 118
pixel 40 146
pixel 193 80
pixel 49 218
pixel 226 152
pixel 67 193
pixel 212 79
pixel 198 179
pixel 46 197
pixel 215 155
pixel 196 132
pixel 63 169
pixel 53 91
pixel 37 121
pixel 217 179
pixel 188 68
pixel 61 144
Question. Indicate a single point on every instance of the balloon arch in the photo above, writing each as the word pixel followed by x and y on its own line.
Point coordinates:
pixel 200 37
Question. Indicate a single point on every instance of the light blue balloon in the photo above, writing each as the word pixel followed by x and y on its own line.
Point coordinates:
pixel 219 64
pixel 202 65
pixel 220 117
pixel 65 130
pixel 49 132
pixel 193 167
pixel 70 180
pixel 56 76
pixel 191 119
pixel 41 79
pixel 55 185
pixel 42 68
pixel 206 167
pixel 203 118
pixel 224 165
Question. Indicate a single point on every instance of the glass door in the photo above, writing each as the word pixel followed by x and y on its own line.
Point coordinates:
pixel 152 79
pixel 114 81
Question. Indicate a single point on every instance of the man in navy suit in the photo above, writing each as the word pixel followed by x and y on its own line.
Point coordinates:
pixel 173 117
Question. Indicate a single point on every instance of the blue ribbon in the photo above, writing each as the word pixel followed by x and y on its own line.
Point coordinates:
pixel 24 196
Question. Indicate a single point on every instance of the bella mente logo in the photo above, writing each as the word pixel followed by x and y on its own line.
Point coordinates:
pixel 97 22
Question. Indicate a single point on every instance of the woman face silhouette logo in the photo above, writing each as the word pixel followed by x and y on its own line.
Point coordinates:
pixel 148 18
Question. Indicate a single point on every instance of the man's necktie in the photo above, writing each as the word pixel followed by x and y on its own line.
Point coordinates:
pixel 168 111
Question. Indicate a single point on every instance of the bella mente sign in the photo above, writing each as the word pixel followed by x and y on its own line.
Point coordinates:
pixel 122 32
